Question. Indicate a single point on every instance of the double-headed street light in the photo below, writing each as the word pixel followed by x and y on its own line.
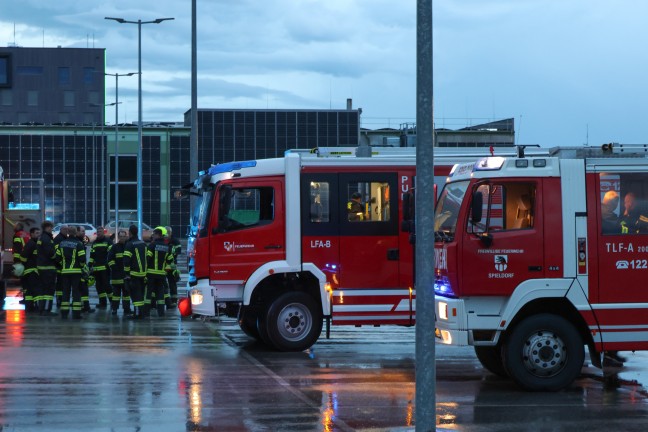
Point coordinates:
pixel 139 109
pixel 117 75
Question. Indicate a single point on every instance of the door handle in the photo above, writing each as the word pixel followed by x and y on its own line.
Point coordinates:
pixel 393 255
pixel 275 246
pixel 535 268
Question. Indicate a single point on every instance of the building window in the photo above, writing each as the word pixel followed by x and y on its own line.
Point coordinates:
pixel 5 70
pixel 93 98
pixel 64 75
pixel 6 97
pixel 29 70
pixel 68 98
pixel 32 98
pixel 88 75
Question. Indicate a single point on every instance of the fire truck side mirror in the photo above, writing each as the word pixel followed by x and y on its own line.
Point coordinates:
pixel 408 212
pixel 476 207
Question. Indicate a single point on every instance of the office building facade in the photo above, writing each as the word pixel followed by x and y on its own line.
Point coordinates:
pixel 47 86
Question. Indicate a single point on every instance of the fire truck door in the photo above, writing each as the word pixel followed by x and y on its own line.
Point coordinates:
pixel 505 245
pixel 248 231
pixel 621 270
pixel 369 236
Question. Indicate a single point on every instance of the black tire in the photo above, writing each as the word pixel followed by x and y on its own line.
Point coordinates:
pixel 491 358
pixel 293 322
pixel 544 352
pixel 248 322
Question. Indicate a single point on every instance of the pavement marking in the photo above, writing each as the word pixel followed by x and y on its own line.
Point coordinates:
pixel 283 383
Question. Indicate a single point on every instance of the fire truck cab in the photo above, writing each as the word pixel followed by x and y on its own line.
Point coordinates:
pixel 538 257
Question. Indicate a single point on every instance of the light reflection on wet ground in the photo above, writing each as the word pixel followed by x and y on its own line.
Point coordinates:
pixel 107 373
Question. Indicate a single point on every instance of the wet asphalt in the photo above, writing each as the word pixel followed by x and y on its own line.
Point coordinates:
pixel 107 373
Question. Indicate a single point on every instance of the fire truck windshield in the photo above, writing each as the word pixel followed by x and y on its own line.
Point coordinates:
pixel 203 215
pixel 447 210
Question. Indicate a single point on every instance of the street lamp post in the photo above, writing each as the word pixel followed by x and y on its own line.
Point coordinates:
pixel 103 176
pixel 139 23
pixel 117 75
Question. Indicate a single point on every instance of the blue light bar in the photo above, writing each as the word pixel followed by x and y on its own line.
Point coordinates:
pixel 230 166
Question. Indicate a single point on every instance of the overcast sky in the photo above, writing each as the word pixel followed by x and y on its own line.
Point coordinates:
pixel 569 72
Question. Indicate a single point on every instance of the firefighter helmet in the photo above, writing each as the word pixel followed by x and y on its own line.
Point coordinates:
pixel 18 269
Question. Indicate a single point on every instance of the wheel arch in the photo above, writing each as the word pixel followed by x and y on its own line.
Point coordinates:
pixel 273 279
pixel 557 306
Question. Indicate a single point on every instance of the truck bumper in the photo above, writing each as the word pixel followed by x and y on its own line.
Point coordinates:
pixel 203 301
pixel 451 324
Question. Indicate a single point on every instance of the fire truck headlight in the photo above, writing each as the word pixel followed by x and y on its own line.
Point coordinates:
pixel 442 287
pixel 443 310
pixel 446 337
pixel 196 297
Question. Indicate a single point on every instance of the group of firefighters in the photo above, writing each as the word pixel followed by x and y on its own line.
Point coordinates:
pixel 124 270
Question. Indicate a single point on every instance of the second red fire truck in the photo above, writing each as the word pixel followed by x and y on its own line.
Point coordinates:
pixel 539 257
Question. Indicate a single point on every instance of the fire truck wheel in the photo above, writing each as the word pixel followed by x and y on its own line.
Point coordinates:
pixel 544 352
pixel 248 323
pixel 491 358
pixel 293 322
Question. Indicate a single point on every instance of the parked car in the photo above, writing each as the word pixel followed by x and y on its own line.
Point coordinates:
pixel 124 224
pixel 90 230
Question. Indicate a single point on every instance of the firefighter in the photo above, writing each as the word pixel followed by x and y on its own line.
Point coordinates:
pixel 174 274
pixel 135 271
pixel 62 235
pixel 99 267
pixel 610 220
pixel 46 264
pixel 71 254
pixel 30 280
pixel 160 259
pixel 355 209
pixel 120 289
pixel 84 283
pixel 633 221
pixel 20 238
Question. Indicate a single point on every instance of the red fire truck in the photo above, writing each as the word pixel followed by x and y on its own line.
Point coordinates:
pixel 538 257
pixel 283 243
pixel 21 200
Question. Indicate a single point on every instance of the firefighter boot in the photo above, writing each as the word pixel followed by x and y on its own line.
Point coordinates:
pixel 114 305
pixel 76 314
pixel 160 310
pixel 127 307
pixel 64 313
pixel 41 307
pixel 86 307
pixel 103 302
pixel 145 310
pixel 49 304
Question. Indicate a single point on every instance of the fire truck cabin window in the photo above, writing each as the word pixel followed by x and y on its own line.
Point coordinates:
pixel 319 202
pixel 505 207
pixel 623 203
pixel 247 208
pixel 367 202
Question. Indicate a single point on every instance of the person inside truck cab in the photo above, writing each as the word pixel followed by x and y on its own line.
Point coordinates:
pixel 610 222
pixel 355 208
pixel 635 217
